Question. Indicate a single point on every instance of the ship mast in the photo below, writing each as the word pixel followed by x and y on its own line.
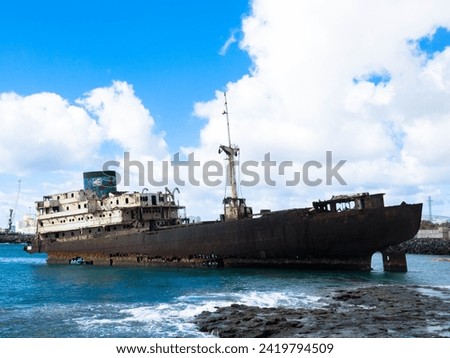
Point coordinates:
pixel 231 152
pixel 234 207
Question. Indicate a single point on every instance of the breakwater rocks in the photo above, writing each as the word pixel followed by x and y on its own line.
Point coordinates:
pixel 432 239
pixel 425 246
pixel 376 311
pixel 15 238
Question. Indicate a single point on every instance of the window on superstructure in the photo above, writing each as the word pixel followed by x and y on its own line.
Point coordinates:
pixel 126 200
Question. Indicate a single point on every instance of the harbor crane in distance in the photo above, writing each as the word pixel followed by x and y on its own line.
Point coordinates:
pixel 12 212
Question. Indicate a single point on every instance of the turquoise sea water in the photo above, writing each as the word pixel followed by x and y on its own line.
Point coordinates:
pixel 40 300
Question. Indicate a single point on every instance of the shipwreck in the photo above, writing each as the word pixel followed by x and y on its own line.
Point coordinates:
pixel 100 225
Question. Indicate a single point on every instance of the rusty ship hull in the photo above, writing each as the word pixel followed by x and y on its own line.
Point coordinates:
pixel 102 226
pixel 295 238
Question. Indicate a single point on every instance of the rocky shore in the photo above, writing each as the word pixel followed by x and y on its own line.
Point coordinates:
pixel 426 246
pixel 368 312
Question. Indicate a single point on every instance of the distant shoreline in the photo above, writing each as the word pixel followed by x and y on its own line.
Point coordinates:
pixel 15 238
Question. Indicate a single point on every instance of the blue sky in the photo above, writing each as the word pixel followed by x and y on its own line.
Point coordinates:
pixel 169 51
pixel 83 82
pixel 435 43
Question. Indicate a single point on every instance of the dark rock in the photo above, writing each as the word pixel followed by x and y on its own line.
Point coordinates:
pixel 426 246
pixel 377 311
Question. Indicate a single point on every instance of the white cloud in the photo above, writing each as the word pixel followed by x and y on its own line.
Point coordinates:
pixel 44 132
pixel 301 98
pixel 124 119
pixel 231 40
pixel 299 101
pixel 48 142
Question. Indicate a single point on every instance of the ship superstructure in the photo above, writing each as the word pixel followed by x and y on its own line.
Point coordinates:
pixel 99 209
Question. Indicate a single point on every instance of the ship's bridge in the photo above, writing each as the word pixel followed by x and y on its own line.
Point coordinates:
pixel 350 202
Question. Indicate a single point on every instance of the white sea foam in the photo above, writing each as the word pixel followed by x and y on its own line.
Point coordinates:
pixel 162 319
pixel 436 291
pixel 176 319
pixel 22 260
pixel 257 298
pixel 159 320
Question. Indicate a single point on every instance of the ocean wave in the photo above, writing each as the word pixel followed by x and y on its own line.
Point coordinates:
pixel 23 260
pixel 278 299
pixel 175 319
pixel 259 298
pixel 442 292
pixel 159 320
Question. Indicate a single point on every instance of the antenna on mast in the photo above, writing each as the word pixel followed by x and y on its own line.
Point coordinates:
pixel 228 121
